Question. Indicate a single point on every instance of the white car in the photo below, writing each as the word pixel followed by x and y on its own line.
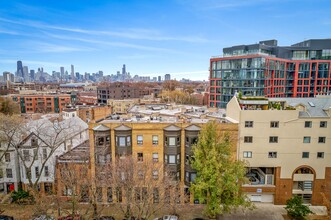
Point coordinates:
pixel 167 217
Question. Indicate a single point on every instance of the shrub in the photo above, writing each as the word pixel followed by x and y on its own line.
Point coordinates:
pixel 22 197
pixel 296 208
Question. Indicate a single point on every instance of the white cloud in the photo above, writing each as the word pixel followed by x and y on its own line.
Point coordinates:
pixel 53 48
pixel 113 44
pixel 128 33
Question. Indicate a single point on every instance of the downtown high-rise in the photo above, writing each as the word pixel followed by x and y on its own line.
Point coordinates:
pixel 266 69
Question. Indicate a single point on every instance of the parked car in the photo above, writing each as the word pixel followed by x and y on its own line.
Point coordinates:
pixel 6 217
pixel 44 217
pixel 167 217
pixel 106 218
pixel 69 217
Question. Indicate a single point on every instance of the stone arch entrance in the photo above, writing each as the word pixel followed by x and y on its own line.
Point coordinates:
pixel 303 181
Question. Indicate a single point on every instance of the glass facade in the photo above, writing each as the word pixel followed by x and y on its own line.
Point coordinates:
pixel 246 75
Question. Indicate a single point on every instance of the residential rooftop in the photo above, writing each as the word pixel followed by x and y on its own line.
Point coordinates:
pixel 167 113
pixel 318 106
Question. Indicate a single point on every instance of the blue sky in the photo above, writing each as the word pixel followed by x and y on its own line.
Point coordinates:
pixel 152 37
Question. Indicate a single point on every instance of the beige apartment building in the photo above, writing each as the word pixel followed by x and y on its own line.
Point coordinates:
pixel 287 144
pixel 161 142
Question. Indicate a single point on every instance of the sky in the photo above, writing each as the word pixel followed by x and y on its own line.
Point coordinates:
pixel 152 37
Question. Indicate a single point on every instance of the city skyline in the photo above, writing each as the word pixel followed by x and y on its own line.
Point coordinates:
pixel 152 38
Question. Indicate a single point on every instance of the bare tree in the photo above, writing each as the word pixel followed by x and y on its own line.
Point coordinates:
pixel 141 187
pixel 46 140
pixel 10 133
pixel 75 183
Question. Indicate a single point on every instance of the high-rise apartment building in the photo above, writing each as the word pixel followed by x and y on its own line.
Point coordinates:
pixel 265 69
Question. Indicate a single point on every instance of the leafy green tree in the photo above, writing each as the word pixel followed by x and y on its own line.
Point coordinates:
pixel 296 208
pixel 219 175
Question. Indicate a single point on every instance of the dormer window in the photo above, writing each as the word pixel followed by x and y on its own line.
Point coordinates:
pixel 34 141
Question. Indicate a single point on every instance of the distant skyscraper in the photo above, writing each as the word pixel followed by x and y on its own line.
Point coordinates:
pixel 26 73
pixel 62 72
pixel 32 75
pixel 123 70
pixel 7 76
pixel 72 72
pixel 167 77
pixel 19 72
pixel 159 78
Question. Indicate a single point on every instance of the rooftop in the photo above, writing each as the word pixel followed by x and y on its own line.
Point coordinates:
pixel 80 153
pixel 167 113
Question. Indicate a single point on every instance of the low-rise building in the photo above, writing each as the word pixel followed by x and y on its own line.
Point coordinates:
pixel 286 142
pixel 43 103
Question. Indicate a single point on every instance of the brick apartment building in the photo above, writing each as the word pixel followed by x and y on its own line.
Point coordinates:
pixel 265 69
pixel 121 90
pixel 43 103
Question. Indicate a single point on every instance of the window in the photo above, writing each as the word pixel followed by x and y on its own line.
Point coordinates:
pixel 306 139
pixel 187 159
pixel 36 169
pixel 109 194
pixel 155 157
pixel 44 153
pixel 155 140
pixel 101 140
pixel 247 154
pixel 272 154
pixel 140 174
pixel 123 141
pixel 305 154
pixel 35 153
pixel 172 141
pixel 308 124
pixel 248 139
pixel 7 157
pixel 193 176
pixel 26 155
pixel 9 173
pixel 140 157
pixel 248 124
pixel 273 139
pixel 99 194
pixel 320 154
pixel 323 124
pixel 139 139
pixel 172 159
pixel 46 171
pixel 321 139
pixel 274 124
pixel 156 195
pixel 155 174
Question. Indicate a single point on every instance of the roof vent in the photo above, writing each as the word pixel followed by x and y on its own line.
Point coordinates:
pixel 311 104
